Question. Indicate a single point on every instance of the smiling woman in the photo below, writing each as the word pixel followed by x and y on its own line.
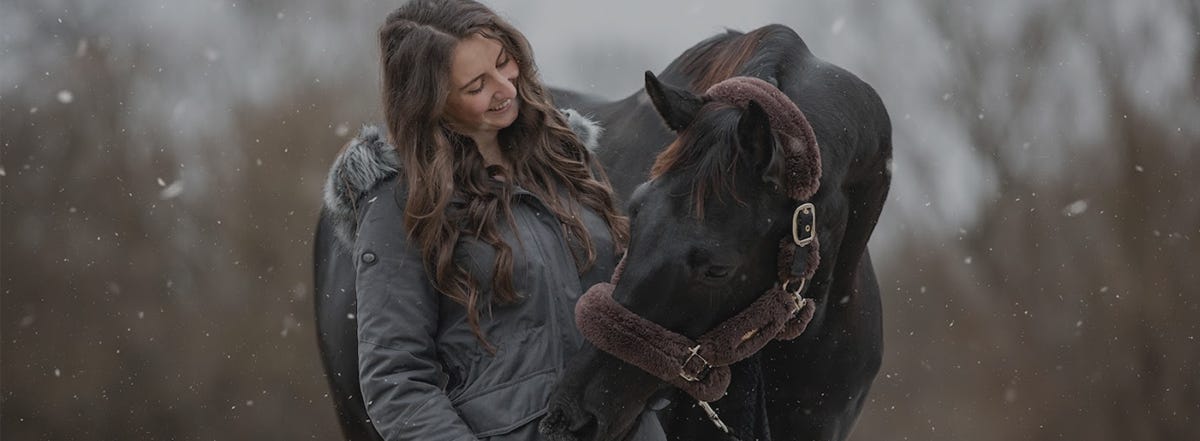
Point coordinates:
pixel 483 96
pixel 467 234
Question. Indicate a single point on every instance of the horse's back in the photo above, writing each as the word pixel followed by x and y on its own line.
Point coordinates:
pixel 335 305
pixel 579 101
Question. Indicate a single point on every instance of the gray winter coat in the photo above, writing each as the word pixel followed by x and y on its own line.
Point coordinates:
pixel 424 376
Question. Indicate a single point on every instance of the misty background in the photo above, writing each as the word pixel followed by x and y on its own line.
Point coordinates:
pixel 162 164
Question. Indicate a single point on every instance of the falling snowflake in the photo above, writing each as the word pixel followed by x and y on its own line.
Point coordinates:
pixel 65 96
pixel 1075 208
pixel 838 25
pixel 289 323
pixel 173 190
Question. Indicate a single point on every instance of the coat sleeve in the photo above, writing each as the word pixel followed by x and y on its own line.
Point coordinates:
pixel 399 370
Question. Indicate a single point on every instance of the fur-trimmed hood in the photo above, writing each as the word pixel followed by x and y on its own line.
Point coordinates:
pixel 369 160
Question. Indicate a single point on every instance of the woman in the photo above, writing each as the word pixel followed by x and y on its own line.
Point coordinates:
pixel 474 231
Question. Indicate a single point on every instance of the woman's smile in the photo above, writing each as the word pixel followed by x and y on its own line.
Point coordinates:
pixel 504 105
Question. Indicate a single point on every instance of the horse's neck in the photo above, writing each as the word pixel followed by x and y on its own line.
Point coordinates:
pixel 744 407
pixel 634 135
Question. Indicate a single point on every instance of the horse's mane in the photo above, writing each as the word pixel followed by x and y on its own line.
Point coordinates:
pixel 759 53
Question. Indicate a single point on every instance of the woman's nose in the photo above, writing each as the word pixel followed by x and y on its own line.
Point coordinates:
pixel 507 87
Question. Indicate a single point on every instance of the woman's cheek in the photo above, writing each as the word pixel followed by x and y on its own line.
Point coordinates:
pixel 480 105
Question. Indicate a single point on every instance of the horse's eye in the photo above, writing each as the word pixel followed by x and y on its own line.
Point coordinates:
pixel 716 272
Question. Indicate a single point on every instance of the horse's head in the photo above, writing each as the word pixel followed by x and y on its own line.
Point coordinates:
pixel 705 246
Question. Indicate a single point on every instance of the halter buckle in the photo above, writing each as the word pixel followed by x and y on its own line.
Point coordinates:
pixel 803 235
pixel 796 297
pixel 695 353
pixel 798 289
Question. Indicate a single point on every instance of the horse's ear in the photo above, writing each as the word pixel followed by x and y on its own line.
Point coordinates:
pixel 678 107
pixel 758 144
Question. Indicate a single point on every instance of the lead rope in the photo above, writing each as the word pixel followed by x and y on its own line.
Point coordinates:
pixel 712 416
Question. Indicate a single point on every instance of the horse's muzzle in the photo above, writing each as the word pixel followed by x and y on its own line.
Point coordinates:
pixel 598 398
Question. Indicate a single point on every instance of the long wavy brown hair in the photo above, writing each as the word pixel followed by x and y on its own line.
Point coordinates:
pixel 417 42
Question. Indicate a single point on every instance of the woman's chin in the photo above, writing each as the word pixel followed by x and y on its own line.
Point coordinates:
pixel 507 116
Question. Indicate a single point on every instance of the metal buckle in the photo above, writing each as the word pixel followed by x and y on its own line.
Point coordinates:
pixel 798 289
pixel 796 294
pixel 695 353
pixel 810 230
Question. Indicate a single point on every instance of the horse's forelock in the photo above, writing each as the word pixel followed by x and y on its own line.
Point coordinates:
pixel 708 153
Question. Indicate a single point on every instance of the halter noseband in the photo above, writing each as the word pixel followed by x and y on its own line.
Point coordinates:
pixel 700 367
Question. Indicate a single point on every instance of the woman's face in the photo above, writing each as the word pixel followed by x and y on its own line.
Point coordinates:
pixel 483 94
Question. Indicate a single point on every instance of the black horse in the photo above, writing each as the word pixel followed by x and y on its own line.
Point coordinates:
pixel 688 275
pixel 809 388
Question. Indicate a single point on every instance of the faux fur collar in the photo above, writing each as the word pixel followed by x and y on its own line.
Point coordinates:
pixel 369 160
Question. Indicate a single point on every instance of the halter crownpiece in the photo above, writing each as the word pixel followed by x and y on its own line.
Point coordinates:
pixel 803 160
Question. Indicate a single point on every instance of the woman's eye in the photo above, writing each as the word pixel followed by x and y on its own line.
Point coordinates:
pixel 505 62
pixel 476 91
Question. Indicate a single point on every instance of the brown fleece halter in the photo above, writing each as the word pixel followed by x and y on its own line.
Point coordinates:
pixel 701 367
